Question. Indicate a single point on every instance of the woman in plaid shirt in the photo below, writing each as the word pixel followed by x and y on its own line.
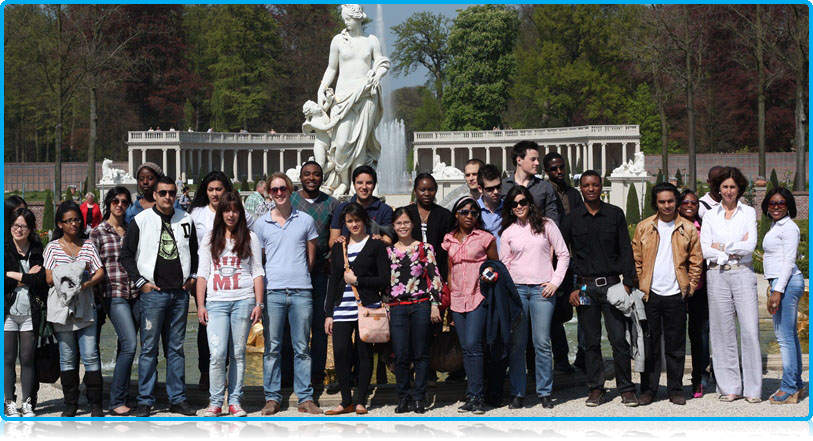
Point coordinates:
pixel 120 297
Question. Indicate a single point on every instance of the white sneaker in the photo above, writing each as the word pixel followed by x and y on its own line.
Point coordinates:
pixel 11 409
pixel 28 409
pixel 212 411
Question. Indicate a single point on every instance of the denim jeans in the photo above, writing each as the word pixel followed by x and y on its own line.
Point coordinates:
pixel 162 312
pixel 126 316
pixel 295 305
pixel 78 344
pixel 540 311
pixel 784 324
pixel 470 327
pixel 411 331
pixel 227 332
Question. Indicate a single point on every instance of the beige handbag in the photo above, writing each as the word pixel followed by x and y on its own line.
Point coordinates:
pixel 374 323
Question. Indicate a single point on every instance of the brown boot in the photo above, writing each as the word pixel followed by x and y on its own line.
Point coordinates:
pixel 309 407
pixel 271 407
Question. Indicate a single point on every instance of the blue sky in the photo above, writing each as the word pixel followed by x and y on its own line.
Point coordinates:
pixel 395 14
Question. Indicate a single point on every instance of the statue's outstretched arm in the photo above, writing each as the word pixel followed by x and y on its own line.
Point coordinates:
pixel 330 72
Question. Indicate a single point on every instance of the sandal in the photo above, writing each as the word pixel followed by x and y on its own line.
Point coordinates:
pixel 729 398
pixel 753 400
pixel 785 398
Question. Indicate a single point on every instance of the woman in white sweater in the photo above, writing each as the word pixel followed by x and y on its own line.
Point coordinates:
pixel 229 296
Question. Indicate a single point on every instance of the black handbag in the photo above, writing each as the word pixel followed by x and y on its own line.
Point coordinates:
pixel 446 354
pixel 47 360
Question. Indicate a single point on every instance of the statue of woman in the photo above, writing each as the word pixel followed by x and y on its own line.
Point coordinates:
pixel 357 107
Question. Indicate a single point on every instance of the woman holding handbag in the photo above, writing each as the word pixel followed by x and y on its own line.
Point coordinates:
pixel 359 272
pixel 25 295
pixel 415 286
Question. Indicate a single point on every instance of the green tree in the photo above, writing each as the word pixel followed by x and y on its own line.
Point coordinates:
pixel 642 109
pixel 659 178
pixel 679 178
pixel 48 211
pixel 648 211
pixel 774 180
pixel 422 41
pixel 570 65
pixel 633 212
pixel 481 43
pixel 244 45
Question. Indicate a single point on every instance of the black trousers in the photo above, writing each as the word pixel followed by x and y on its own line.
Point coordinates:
pixel 343 358
pixel 666 316
pixel 616 324
pixel 698 311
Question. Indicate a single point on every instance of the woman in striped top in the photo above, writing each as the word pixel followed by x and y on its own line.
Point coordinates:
pixel 75 321
pixel 369 273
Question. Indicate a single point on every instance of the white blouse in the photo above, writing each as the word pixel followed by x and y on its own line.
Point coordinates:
pixel 229 278
pixel 738 234
pixel 780 245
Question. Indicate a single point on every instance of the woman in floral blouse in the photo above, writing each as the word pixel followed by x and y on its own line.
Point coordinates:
pixel 414 307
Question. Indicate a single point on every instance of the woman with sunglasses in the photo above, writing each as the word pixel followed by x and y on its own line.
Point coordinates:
pixel 75 323
pixel 528 243
pixel 468 246
pixel 230 269
pixel 697 305
pixel 25 295
pixel 787 286
pixel 119 295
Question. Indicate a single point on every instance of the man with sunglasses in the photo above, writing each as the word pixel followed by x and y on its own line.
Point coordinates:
pixel 161 255
pixel 488 179
pixel 147 175
pixel 525 156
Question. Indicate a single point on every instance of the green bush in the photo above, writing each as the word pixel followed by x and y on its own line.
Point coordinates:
pixel 647 211
pixel 633 212
pixel 679 178
pixel 659 178
pixel 48 212
pixel 244 184
pixel 774 179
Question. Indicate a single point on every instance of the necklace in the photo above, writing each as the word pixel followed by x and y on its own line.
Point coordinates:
pixel 424 218
pixel 70 248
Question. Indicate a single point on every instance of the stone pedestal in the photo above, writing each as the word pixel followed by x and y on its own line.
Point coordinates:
pixel 619 188
pixel 105 187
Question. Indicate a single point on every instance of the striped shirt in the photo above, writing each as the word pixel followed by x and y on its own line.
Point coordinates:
pixel 56 256
pixel 348 311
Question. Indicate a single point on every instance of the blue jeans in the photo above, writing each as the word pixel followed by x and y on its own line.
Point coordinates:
pixel 162 311
pixel 540 311
pixel 126 316
pixel 470 328
pixel 78 344
pixel 784 324
pixel 229 322
pixel 297 306
pixel 411 331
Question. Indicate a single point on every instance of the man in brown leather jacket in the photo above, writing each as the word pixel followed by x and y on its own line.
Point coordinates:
pixel 668 262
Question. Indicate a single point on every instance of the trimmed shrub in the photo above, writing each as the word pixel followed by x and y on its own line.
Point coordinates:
pixel 647 211
pixel 679 178
pixel 48 212
pixel 774 179
pixel 633 212
pixel 659 178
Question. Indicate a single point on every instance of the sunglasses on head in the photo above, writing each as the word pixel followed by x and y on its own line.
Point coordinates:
pixel 165 193
pixel 466 212
pixel 520 203
pixel 280 190
pixel 777 204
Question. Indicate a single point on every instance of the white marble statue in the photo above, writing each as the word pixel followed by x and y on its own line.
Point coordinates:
pixel 441 171
pixel 356 64
pixel 317 121
pixel 112 175
pixel 633 168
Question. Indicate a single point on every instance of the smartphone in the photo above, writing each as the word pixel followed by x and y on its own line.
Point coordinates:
pixel 490 275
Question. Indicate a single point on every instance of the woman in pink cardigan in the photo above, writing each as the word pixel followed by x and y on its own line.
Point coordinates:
pixel 528 241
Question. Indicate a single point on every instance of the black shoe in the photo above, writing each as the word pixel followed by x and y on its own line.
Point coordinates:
pixel 70 411
pixel 477 406
pixel 546 402
pixel 404 406
pixel 564 368
pixel 467 407
pixel 183 408
pixel 96 411
pixel 516 403
pixel 419 406
pixel 143 411
pixel 495 402
pixel 595 398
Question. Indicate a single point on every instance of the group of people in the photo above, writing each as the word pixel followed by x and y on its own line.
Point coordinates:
pixel 504 267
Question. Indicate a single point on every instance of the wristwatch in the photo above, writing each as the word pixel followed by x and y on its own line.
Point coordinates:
pixel 261 305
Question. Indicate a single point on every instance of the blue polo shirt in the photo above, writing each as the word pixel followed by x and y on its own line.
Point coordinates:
pixel 286 250
pixel 378 211
pixel 491 220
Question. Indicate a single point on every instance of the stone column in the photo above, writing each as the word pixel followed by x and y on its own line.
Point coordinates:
pixel 234 164
pixel 488 155
pixel 298 157
pixel 434 153
pixel 504 164
pixel 177 162
pixel 603 158
pixel 164 164
pixel 451 156
pixel 265 162
pixel 210 164
pixel 223 161
pixel 637 146
pixel 624 153
pixel 471 153
pixel 200 160
pixel 143 157
pixel 415 158
pixel 589 163
pixel 281 161
pixel 578 155
pixel 250 178
pixel 130 161
pixel 570 150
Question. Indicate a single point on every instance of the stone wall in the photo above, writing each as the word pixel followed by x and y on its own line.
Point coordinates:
pixel 747 162
pixel 802 203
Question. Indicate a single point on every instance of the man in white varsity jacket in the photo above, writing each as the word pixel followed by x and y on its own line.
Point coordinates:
pixel 161 254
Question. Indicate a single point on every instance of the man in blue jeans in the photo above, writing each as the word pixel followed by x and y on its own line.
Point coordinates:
pixel 161 254
pixel 289 243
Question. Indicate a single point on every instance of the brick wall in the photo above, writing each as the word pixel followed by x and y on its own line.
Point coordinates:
pixel 748 163
pixel 802 202
pixel 39 176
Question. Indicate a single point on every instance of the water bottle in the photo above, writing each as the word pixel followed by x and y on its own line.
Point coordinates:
pixel 583 299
